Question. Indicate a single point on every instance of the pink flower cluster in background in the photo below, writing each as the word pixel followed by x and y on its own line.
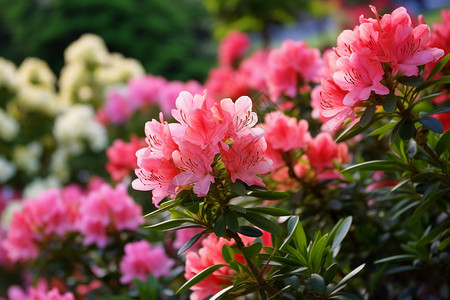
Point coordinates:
pixel 121 157
pixel 38 293
pixel 141 259
pixel 55 213
pixel 141 92
pixel 211 254
pixel 285 136
pixel 181 155
pixel 367 57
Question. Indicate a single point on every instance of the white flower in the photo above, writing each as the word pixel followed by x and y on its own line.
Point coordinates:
pixel 77 125
pixel 39 185
pixel 59 164
pixel 73 76
pixel 7 170
pixel 9 127
pixel 37 99
pixel 36 72
pixel 27 158
pixel 89 48
pixel 7 73
pixel 8 212
pixel 118 70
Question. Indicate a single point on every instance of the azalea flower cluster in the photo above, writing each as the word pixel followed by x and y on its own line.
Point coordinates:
pixel 40 292
pixel 190 154
pixel 366 60
pixel 122 158
pixel 55 213
pixel 287 70
pixel 290 145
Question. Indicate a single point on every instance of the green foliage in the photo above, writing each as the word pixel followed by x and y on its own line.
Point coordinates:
pixel 171 38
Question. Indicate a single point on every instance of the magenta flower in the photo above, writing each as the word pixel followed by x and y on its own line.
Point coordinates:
pixel 141 259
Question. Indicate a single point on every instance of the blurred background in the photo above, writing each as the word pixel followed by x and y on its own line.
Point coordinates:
pixel 178 39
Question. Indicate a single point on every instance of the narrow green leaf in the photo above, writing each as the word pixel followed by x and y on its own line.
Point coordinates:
pixel 407 130
pixel 376 165
pixel 223 292
pixel 443 80
pixel 267 210
pixel 269 195
pixel 199 277
pixel 291 226
pixel 250 231
pixel 439 66
pixel 191 242
pixel 411 80
pixel 231 221
pixel 393 258
pixel 330 273
pixel 237 208
pixel 430 196
pixel 220 227
pixel 227 253
pixel 396 131
pixel 168 205
pixel 238 188
pixel 300 239
pixel 261 222
pixel 382 129
pixel 341 232
pixel 443 245
pixel 440 110
pixel 252 250
pixel 431 236
pixel 390 103
pixel 316 252
pixel 432 123
pixel 169 224
pixel 317 283
pixel 367 115
pixel 443 143
pixel 350 275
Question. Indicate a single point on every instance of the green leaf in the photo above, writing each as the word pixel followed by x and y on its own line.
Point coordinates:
pixel 443 245
pixel 341 231
pixel 227 253
pixel 390 103
pixel 443 143
pixel 432 123
pixel 317 283
pixel 316 252
pixel 407 130
pixel 223 292
pixel 443 80
pixel 199 277
pixel 393 258
pixel 440 110
pixel 431 236
pixel 238 188
pixel 355 129
pixel 269 195
pixel 252 250
pixel 291 226
pixel 191 242
pixel 169 224
pixel 376 165
pixel 300 238
pixel 267 210
pixel 349 276
pixel 330 273
pixel 231 221
pixel 250 231
pixel 382 129
pixel 439 66
pixel 430 196
pixel 164 207
pixel 261 222
pixel 220 227
pixel 411 80
pixel 237 208
pixel 396 131
pixel 367 115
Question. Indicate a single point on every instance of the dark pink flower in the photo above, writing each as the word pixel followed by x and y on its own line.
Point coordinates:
pixel 233 47
pixel 122 159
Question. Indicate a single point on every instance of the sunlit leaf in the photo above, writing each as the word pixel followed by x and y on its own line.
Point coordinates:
pixel 199 277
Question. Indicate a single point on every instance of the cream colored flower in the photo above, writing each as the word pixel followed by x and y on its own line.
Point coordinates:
pixel 38 99
pixel 118 70
pixel 9 127
pixel 7 170
pixel 27 157
pixel 39 185
pixel 7 74
pixel 89 48
pixel 36 72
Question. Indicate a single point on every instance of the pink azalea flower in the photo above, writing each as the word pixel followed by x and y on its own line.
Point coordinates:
pixel 285 133
pixel 233 47
pixel 359 74
pixel 183 235
pixel 118 108
pixel 245 159
pixel 141 259
pixel 53 294
pixel 226 82
pixel 20 243
pixel 107 209
pixel 211 254
pixel 145 90
pixel 253 69
pixel 121 158
pixel 168 94
pixel 240 116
